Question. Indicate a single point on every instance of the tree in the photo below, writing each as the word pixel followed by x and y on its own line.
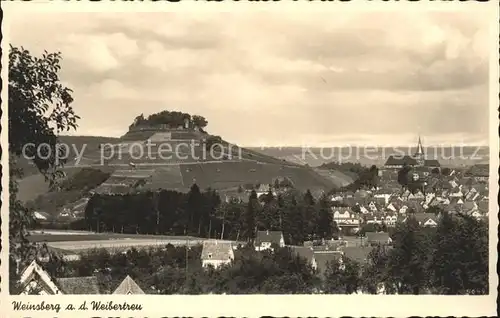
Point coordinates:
pixel 375 274
pixel 199 121
pixel 403 178
pixel 310 215
pixel 342 278
pixel 460 258
pixel 325 219
pixel 409 258
pixel 445 171
pixel 435 171
pixel 39 109
pixel 294 223
pixel 194 207
pixel 250 215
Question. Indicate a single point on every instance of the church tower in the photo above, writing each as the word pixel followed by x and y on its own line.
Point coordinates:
pixel 419 154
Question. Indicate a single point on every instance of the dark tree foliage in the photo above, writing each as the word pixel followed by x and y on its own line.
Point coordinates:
pixel 172 118
pixel 403 176
pixel 39 109
pixel 342 278
pixel 249 220
pixel 367 179
pixel 325 219
pixel 409 258
pixel 460 256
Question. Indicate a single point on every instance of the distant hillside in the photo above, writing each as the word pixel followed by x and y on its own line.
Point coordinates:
pixel 448 156
pixel 75 187
pixel 130 165
pixel 89 144
pixel 126 174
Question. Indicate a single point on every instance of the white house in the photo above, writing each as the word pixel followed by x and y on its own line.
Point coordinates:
pixel 265 239
pixel 35 280
pixel 128 287
pixel 391 207
pixel 390 220
pixel 345 216
pixel 216 253
pixel 363 209
pixel 372 206
pixel 403 209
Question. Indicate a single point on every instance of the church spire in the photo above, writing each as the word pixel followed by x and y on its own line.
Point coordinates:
pixel 420 148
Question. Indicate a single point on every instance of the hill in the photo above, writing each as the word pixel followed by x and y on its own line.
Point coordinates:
pixel 89 144
pixel 449 156
pixel 154 156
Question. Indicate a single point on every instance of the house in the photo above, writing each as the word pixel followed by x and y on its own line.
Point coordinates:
pixel 372 206
pixel 419 195
pixel 374 219
pixel 476 214
pixel 392 207
pixel 469 207
pixel 345 216
pixel 363 209
pixel 383 194
pixel 403 209
pixel 216 253
pixel 78 285
pixel 306 253
pixel 265 239
pixel 263 189
pixel 426 219
pixel 390 219
pixel 128 287
pixel 375 238
pixel 35 280
pixel 41 216
pixel 456 193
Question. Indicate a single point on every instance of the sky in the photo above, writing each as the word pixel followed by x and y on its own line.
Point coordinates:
pixel 269 79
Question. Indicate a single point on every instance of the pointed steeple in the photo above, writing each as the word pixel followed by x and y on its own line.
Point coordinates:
pixel 420 148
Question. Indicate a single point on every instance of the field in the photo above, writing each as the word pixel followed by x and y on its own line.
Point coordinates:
pixel 34 185
pixel 230 174
pixel 337 177
pixel 68 243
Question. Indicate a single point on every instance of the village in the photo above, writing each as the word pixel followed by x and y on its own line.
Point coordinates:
pixel 362 220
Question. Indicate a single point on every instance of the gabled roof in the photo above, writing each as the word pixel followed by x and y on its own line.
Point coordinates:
pixel 268 236
pixel 424 217
pixel 216 250
pixel 377 237
pixel 469 206
pixel 432 163
pixel 79 285
pixel 128 286
pixel 34 269
pixel 303 252
pixel 39 215
pixel 399 161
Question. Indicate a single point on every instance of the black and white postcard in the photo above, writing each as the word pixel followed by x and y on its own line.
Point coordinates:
pixel 239 159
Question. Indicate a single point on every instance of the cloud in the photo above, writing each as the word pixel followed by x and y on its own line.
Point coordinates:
pixel 277 78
